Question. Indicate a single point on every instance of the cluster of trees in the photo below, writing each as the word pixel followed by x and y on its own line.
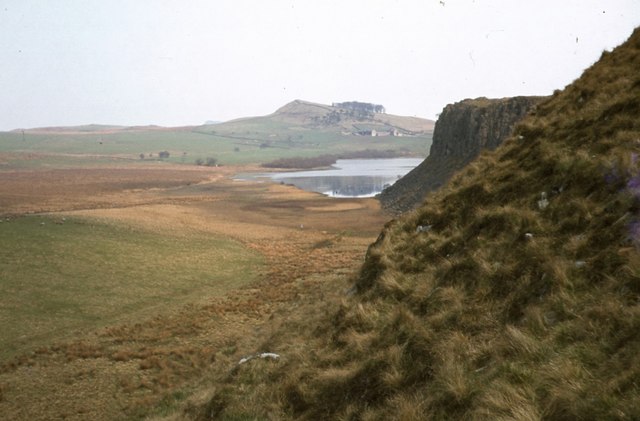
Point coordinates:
pixel 161 155
pixel 209 162
pixel 360 108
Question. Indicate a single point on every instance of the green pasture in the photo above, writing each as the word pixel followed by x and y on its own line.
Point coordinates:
pixel 254 141
pixel 57 279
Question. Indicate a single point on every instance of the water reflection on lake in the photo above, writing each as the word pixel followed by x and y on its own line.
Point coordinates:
pixel 350 177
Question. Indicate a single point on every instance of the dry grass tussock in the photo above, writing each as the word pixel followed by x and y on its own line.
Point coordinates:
pixel 521 300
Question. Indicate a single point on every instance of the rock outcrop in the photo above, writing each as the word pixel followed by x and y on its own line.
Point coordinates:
pixel 462 131
pixel 351 117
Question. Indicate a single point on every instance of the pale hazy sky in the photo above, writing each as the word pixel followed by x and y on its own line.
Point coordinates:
pixel 170 62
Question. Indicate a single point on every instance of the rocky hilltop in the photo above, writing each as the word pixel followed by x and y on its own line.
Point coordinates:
pixel 358 118
pixel 462 131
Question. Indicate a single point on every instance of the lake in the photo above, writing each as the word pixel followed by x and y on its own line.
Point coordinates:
pixel 347 177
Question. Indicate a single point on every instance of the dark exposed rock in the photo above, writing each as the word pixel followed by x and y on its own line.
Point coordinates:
pixel 462 131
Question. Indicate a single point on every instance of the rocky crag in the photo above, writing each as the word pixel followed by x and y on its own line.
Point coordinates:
pixel 462 131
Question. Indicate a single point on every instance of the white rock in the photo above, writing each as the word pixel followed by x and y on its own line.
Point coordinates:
pixel 423 228
pixel 543 202
pixel 263 355
pixel 270 355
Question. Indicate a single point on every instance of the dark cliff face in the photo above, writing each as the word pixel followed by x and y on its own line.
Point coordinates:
pixel 462 131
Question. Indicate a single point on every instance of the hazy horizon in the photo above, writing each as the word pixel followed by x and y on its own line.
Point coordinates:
pixel 70 63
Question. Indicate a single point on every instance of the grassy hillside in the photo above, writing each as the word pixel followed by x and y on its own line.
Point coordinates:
pixel 304 129
pixel 512 293
pixel 313 115
pixel 292 131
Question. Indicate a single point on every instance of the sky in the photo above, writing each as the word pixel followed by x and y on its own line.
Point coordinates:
pixel 183 62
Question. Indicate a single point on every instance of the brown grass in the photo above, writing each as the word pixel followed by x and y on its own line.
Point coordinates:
pixel 151 365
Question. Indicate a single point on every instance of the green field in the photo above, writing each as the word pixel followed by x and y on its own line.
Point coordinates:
pixel 256 140
pixel 58 279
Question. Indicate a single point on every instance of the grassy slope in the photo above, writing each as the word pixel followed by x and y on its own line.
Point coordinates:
pixel 509 307
pixel 57 278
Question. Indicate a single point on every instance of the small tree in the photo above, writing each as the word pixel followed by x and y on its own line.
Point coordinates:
pixel 211 162
pixel 199 161
pixel 141 156
pixel 163 154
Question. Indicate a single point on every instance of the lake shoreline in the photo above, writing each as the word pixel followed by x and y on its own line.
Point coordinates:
pixel 347 178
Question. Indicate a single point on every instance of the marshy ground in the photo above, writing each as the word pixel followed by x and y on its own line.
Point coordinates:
pixel 124 286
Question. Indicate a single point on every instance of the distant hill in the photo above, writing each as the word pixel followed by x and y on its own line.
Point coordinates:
pixel 303 129
pixel 98 129
pixel 310 114
pixel 84 128
pixel 463 130
pixel 512 293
